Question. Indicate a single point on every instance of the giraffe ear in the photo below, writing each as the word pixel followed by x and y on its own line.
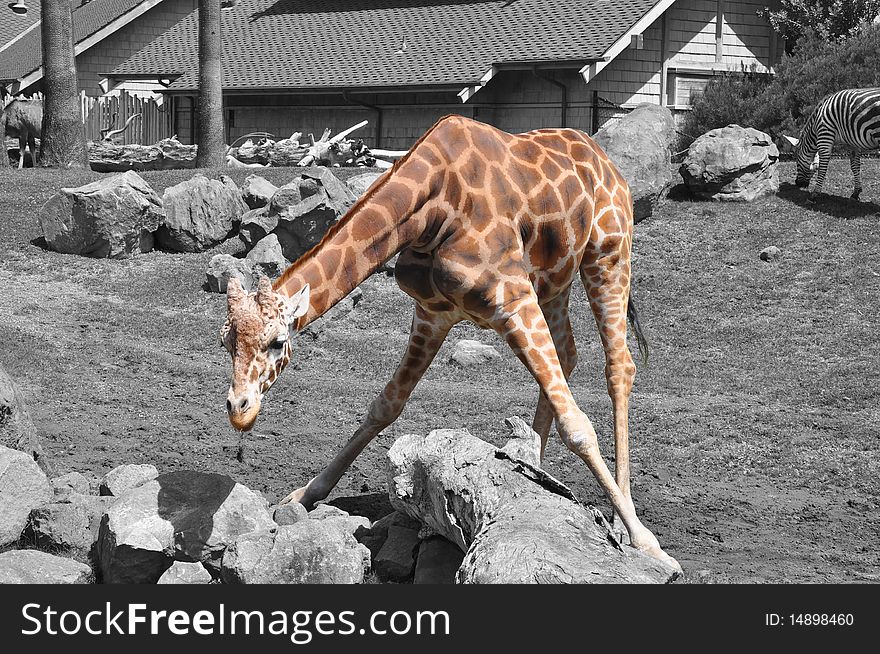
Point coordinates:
pixel 297 305
pixel 234 293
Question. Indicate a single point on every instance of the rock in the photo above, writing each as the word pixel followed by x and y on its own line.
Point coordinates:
pixel 516 523
pixel 341 309
pixel 302 226
pixel 23 487
pixel 359 184
pixel 266 258
pixel 33 567
pixel 17 430
pixel 113 217
pixel 396 560
pixel 473 353
pixel 182 572
pixel 329 514
pixel 285 196
pixel 70 484
pixel 125 477
pixel 340 197
pixel 290 513
pixel 184 516
pixel 164 155
pixel 224 267
pixel 771 253
pixel 199 214
pixel 233 246
pixel 374 537
pixel 389 266
pixel 255 225
pixel 638 144
pixel 257 191
pixel 731 163
pixel 69 525
pixel 308 552
pixel 438 561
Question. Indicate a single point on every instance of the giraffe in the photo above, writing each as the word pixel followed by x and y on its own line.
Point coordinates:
pixel 491 228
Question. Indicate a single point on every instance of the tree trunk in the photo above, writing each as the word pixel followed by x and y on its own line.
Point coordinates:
pixel 63 143
pixel 517 524
pixel 212 151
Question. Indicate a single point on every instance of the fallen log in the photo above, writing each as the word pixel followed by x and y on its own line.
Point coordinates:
pixel 107 157
pixel 320 149
pixel 517 523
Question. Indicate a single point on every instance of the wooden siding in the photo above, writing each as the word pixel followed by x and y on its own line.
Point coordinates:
pixel 94 64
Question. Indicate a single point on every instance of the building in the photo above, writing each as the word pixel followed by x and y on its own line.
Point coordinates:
pixel 306 65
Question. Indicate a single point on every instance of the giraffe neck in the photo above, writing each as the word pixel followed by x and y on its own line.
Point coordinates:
pixel 379 225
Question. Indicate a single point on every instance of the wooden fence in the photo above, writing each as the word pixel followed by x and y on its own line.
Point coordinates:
pixel 111 112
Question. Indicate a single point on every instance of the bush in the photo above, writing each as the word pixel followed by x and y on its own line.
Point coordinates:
pixel 780 104
pixel 727 99
pixel 815 70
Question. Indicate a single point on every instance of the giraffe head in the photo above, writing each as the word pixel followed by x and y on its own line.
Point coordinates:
pixel 257 334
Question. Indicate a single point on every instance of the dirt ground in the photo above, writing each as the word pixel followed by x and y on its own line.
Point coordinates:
pixel 755 424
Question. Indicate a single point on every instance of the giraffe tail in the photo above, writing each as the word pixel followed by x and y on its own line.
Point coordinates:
pixel 633 316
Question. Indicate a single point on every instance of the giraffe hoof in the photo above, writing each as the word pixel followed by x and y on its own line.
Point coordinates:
pixel 648 544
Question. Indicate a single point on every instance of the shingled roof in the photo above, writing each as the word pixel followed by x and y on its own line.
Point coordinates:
pixel 26 55
pixel 348 44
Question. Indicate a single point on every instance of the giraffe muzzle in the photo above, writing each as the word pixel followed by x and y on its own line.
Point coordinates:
pixel 242 410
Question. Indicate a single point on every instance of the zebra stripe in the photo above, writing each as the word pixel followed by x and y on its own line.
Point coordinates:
pixel 850 117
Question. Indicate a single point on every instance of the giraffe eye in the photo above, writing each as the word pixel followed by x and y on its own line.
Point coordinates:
pixel 277 344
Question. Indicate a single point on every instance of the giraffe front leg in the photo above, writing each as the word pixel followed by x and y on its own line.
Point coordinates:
pixel 426 336
pixel 527 334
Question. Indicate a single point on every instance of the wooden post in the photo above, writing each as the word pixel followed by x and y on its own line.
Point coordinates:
pixel 719 33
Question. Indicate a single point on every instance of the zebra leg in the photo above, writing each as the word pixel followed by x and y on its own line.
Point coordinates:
pixel 855 163
pixel 824 159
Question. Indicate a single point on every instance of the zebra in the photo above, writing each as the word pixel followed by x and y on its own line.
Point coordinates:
pixel 851 117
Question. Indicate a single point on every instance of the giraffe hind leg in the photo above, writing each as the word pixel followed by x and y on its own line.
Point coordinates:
pixel 556 315
pixel 607 286
pixel 528 335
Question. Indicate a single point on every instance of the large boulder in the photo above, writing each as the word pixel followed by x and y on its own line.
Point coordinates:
pixel 733 163
pixel 199 214
pixel 73 483
pixel 17 430
pixel 267 258
pixel 23 487
pixel 126 477
pixel 178 516
pixel 224 267
pixel 113 217
pixel 639 145
pixel 359 184
pixel 306 552
pixel 33 567
pixel 257 191
pixel 182 573
pixel 255 225
pixel 69 525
